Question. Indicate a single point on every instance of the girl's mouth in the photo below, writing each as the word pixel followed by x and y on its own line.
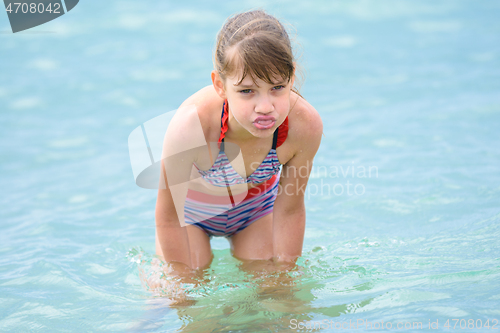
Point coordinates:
pixel 264 122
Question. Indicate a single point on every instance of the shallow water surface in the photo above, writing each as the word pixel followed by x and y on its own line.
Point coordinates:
pixel 402 205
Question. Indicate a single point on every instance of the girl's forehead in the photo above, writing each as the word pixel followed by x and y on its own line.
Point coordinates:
pixel 246 81
pixel 251 80
pixel 256 72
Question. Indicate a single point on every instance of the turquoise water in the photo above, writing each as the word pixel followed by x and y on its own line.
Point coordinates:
pixel 409 93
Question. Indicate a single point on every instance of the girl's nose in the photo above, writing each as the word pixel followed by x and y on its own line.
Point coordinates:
pixel 264 105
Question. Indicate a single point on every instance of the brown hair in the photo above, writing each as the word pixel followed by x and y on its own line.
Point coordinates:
pixel 257 42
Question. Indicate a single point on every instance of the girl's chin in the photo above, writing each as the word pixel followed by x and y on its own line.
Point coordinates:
pixel 262 132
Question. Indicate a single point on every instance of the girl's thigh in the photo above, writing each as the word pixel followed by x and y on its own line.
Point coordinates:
pixel 199 245
pixel 255 242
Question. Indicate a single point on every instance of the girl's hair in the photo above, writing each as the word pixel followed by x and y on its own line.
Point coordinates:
pixel 256 42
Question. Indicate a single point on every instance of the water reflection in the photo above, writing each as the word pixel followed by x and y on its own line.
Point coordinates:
pixel 250 296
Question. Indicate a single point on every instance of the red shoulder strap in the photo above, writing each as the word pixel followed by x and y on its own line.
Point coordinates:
pixel 223 122
pixel 282 132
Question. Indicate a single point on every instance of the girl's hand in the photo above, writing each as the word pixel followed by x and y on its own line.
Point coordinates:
pixel 169 280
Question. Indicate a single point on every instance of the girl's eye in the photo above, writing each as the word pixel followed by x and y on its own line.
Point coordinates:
pixel 246 91
pixel 278 87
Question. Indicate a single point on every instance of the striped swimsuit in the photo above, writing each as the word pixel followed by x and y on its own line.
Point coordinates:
pixel 228 215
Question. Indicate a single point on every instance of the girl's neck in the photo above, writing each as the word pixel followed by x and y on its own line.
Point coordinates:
pixel 236 132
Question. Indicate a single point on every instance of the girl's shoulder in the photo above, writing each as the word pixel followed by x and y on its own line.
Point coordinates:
pixel 204 104
pixel 204 99
pixel 304 122
pixel 304 130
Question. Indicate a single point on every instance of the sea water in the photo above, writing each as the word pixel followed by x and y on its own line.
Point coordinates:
pixel 402 205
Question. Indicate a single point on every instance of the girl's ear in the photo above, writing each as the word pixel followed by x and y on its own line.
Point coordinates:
pixel 218 84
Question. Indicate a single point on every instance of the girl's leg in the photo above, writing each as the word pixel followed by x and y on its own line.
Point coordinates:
pixel 199 244
pixel 255 242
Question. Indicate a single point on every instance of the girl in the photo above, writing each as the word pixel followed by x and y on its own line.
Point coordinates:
pixel 223 151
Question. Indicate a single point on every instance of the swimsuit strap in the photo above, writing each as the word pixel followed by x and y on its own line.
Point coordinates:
pixel 275 138
pixel 278 138
pixel 223 124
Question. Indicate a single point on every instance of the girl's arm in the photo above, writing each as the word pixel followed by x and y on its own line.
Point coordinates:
pixel 289 214
pixel 170 231
pixel 183 142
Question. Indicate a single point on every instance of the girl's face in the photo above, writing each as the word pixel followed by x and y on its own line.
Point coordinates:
pixel 259 108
